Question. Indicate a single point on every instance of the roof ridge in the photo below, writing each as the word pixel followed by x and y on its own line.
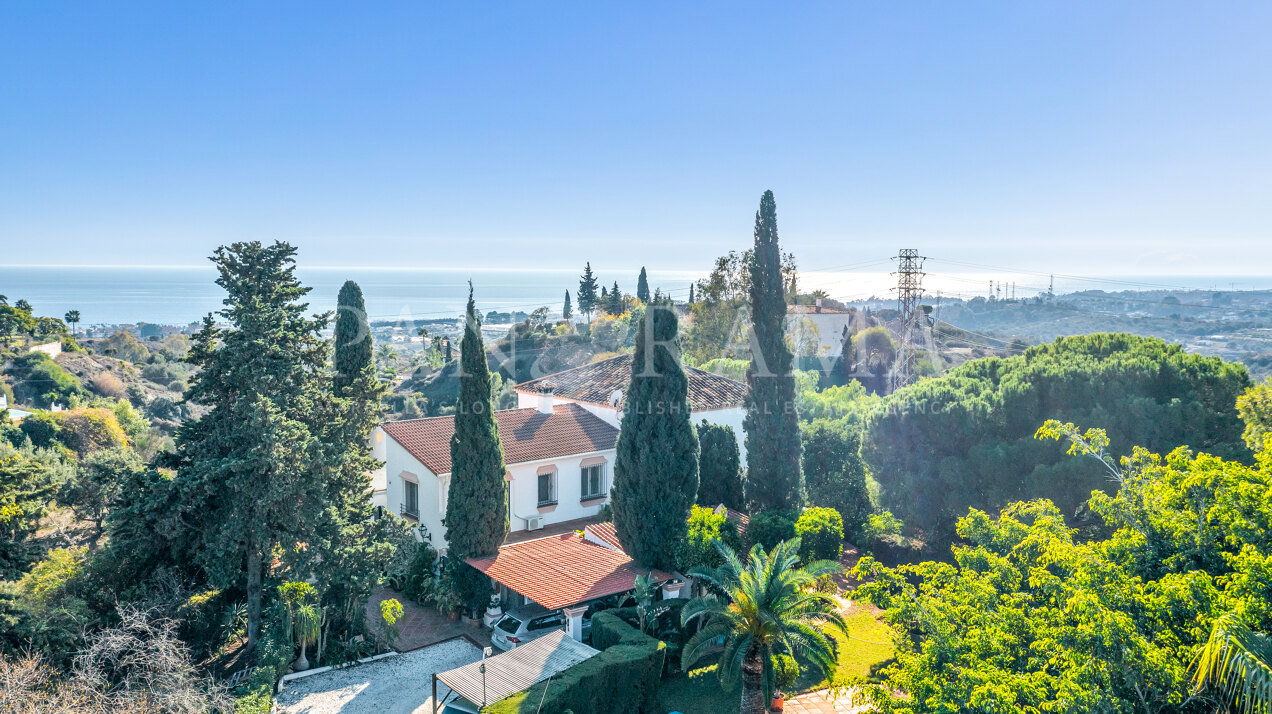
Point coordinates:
pixel 574 369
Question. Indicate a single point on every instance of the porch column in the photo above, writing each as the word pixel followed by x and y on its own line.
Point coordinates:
pixel 574 621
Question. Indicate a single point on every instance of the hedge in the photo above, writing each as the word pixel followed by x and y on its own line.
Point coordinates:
pixel 624 678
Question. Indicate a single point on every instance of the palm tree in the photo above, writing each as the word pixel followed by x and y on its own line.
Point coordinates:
pixel 1239 663
pixel 73 317
pixel 771 608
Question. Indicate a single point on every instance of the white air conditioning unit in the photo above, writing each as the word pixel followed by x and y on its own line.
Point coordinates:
pixel 534 523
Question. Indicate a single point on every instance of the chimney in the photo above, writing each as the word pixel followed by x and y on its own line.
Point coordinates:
pixel 545 399
pixel 818 309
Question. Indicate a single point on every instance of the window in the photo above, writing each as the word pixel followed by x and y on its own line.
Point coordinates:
pixel 593 485
pixel 547 489
pixel 411 499
pixel 547 622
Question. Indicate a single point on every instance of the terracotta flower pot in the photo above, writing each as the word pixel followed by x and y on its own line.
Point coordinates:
pixel 778 704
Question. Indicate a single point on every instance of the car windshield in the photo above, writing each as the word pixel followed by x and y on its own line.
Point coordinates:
pixel 509 624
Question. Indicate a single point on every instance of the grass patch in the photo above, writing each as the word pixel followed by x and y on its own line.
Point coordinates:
pixel 699 692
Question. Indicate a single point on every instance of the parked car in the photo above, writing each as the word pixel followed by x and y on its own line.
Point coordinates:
pixel 524 624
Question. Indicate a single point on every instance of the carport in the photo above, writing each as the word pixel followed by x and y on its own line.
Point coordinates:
pixel 475 685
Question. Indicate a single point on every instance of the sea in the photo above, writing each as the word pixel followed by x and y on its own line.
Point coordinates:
pixel 182 295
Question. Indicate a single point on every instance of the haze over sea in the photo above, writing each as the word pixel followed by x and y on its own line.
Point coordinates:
pixel 181 295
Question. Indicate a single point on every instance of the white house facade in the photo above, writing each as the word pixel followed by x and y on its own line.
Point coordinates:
pixel 559 458
pixel 599 388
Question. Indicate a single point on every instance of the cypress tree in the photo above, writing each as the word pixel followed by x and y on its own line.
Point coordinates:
pixel 615 305
pixel 774 477
pixel 587 294
pixel 477 506
pixel 352 337
pixel 642 287
pixel 656 466
pixel 719 467
pixel 566 312
pixel 690 293
pixel 251 470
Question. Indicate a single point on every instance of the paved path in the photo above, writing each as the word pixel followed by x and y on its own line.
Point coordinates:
pixel 820 702
pixel 421 626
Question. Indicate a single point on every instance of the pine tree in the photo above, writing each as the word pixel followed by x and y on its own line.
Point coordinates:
pixel 656 466
pixel 477 506
pixel 615 304
pixel 642 287
pixel 586 294
pixel 719 467
pixel 251 469
pixel 774 478
pixel 352 337
pixel 566 311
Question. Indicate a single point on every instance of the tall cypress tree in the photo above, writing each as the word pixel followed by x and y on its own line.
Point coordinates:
pixel 352 336
pixel 566 311
pixel 690 293
pixel 774 479
pixel 642 286
pixel 587 294
pixel 251 469
pixel 656 466
pixel 477 506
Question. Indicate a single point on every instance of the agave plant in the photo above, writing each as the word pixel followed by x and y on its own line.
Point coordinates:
pixel 770 606
pixel 1239 663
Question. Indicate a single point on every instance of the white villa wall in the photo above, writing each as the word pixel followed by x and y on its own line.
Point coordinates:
pixel 379 477
pixel 830 329
pixel 432 508
pixel 523 490
pixel 523 493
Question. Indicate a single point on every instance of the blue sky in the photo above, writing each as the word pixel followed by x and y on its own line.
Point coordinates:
pixel 1083 137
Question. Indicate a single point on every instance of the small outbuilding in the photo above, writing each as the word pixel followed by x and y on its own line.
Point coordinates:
pixel 476 685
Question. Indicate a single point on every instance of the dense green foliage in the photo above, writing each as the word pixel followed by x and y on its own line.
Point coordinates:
pixel 774 478
pixel 566 310
pixel 624 678
pixel 41 381
pixel 477 507
pixel 642 286
pixel 768 608
pixel 768 528
pixel 821 534
pixel 965 440
pixel 1032 617
pixel 656 465
pixel 24 494
pixel 836 474
pixel 703 528
pixel 719 467
pixel 1255 408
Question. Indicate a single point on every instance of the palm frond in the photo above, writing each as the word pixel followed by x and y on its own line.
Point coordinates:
pixel 1236 661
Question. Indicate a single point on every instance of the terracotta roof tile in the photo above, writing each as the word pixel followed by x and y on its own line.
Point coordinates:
pixel 605 532
pixel 563 570
pixel 526 435
pixel 596 383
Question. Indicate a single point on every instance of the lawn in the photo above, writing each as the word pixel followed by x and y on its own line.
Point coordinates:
pixel 700 692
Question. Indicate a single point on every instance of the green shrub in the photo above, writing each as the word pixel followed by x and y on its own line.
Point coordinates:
pixel 821 534
pixel 203 622
pixel 703 527
pixel 768 528
pixel 623 679
pixel 41 381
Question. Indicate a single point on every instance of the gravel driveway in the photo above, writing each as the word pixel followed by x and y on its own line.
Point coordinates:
pixel 394 685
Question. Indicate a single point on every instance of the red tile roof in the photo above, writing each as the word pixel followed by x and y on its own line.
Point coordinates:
pixel 563 570
pixel 605 532
pixel 526 435
pixel 596 383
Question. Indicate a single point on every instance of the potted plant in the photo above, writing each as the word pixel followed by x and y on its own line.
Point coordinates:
pixel 494 611
pixel 785 672
pixel 447 601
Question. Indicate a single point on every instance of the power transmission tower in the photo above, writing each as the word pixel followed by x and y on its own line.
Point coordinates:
pixel 909 291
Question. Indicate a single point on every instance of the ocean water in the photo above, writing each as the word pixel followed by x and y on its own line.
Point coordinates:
pixel 181 295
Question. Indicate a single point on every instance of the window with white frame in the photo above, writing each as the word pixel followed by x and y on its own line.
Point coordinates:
pixel 547 488
pixel 410 499
pixel 593 482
